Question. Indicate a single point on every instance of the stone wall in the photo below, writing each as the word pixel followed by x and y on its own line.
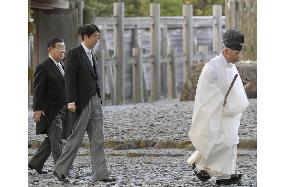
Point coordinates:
pixel 247 71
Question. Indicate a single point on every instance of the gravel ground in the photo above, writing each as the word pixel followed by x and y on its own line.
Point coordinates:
pixel 162 120
pixel 143 167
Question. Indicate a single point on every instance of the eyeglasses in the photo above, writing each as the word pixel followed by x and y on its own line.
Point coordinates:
pixel 60 48
pixel 97 36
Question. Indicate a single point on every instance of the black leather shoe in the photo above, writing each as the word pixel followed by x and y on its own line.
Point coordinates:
pixel 108 180
pixel 39 171
pixel 201 175
pixel 235 179
pixel 61 178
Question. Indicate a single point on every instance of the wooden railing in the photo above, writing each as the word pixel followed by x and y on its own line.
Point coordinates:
pixel 163 57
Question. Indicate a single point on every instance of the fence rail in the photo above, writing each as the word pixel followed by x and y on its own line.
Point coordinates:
pixel 145 22
pixel 163 57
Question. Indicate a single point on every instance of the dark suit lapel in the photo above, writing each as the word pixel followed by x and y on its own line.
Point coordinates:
pixel 56 70
pixel 95 65
pixel 87 61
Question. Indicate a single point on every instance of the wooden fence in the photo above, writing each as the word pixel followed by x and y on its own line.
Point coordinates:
pixel 163 57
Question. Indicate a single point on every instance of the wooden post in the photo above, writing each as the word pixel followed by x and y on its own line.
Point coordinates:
pixel 89 15
pixel 187 37
pixel 31 69
pixel 134 37
pixel 111 83
pixel 164 43
pixel 103 43
pixel 156 50
pixel 108 69
pixel 118 12
pixel 80 6
pixel 137 76
pixel 101 66
pixel 146 92
pixel 217 28
pixel 203 49
pixel 172 78
pixel 231 16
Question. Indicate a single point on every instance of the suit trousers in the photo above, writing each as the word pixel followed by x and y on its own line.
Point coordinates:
pixel 90 120
pixel 51 144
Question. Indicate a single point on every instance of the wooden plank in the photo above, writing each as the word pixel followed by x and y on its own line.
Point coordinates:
pixel 187 10
pixel 111 83
pixel 135 38
pixel 80 6
pixel 137 76
pixel 139 21
pixel 118 12
pixel 155 50
pixel 203 50
pixel 106 21
pixel 89 15
pixel 173 20
pixel 146 22
pixel 232 18
pixel 164 53
pixel 172 78
pixel 145 87
pixel 150 59
pixel 103 43
pixel 217 28
pixel 49 4
pixel 101 65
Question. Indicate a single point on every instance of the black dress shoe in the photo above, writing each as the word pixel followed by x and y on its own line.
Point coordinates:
pixel 201 175
pixel 39 171
pixel 108 180
pixel 235 179
pixel 61 178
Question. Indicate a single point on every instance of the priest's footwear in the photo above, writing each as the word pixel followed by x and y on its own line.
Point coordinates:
pixel 61 178
pixel 39 171
pixel 235 179
pixel 201 175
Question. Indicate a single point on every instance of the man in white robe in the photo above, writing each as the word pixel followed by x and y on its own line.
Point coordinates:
pixel 214 130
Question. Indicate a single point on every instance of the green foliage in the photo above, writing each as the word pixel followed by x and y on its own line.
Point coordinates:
pixel 136 7
pixel 171 7
pixel 102 7
pixel 142 7
pixel 204 7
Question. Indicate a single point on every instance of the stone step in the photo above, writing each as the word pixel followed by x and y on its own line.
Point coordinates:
pixel 244 143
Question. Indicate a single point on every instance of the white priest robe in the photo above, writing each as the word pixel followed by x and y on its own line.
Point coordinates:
pixel 214 130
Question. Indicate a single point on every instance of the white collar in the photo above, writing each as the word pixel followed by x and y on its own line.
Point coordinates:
pixel 87 50
pixel 53 60
pixel 224 61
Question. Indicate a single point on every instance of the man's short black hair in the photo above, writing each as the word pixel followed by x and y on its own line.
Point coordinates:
pixel 52 42
pixel 88 30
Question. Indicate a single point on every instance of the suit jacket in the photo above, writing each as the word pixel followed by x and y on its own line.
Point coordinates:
pixel 49 93
pixel 82 82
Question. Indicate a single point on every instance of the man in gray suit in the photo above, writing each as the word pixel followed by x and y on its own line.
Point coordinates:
pixel 84 99
pixel 49 104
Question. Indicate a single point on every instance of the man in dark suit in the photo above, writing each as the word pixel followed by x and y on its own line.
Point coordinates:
pixel 84 100
pixel 49 103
